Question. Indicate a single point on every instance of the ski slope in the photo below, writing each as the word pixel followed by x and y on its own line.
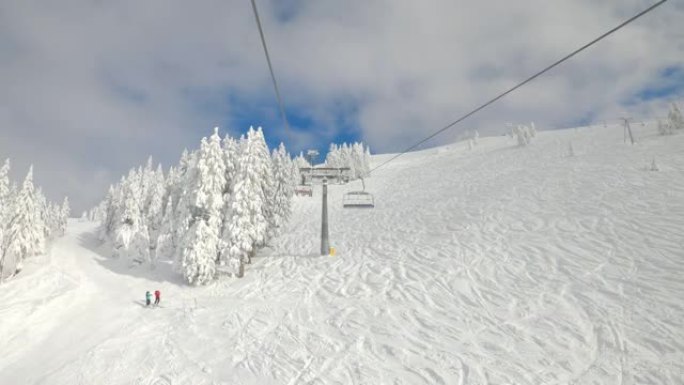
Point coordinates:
pixel 500 265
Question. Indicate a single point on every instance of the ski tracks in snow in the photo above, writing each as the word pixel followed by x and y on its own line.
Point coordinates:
pixel 498 265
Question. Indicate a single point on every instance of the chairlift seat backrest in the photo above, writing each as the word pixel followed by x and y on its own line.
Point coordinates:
pixel 358 199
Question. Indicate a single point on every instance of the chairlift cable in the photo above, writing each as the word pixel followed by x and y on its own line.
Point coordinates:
pixel 270 67
pixel 524 82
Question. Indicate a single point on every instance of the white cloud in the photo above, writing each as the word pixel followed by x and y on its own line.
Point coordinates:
pixel 91 88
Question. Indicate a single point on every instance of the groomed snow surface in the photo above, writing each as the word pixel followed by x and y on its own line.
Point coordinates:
pixel 497 265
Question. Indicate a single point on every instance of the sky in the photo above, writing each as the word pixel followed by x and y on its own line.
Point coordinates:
pixel 91 88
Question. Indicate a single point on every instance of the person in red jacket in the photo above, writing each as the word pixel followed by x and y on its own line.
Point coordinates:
pixel 157 297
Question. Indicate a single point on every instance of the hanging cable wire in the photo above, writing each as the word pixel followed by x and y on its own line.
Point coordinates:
pixel 647 10
pixel 270 67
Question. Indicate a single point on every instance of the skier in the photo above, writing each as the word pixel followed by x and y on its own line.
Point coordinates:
pixel 148 298
pixel 157 297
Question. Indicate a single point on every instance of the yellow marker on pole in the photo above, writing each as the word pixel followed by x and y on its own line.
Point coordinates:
pixel 332 251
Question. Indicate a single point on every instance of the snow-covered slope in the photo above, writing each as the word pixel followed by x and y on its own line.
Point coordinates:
pixel 491 266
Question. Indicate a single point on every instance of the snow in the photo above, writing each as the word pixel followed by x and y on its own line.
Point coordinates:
pixel 496 265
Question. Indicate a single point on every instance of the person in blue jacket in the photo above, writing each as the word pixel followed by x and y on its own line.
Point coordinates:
pixel 148 298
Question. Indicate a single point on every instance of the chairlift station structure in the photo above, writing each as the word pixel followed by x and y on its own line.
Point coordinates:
pixel 351 199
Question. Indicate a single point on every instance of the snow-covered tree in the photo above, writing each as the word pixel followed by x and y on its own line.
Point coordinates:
pixel 198 264
pixel 248 224
pixel 220 204
pixel 5 201
pixel 231 151
pixel 295 174
pixel 2 253
pixel 182 199
pixel 301 161
pixel 166 241
pixel 27 221
pixel 147 181
pixel 132 238
pixel 231 158
pixel 357 160
pixel 347 160
pixel 284 190
pixel 200 247
pixel 522 133
pixel 49 223
pixel 332 159
pixel 674 117
pixel 155 201
pixel 112 217
pixel 211 168
pixel 664 128
pixel 64 212
pixel 26 227
pixel 6 209
pixel 356 157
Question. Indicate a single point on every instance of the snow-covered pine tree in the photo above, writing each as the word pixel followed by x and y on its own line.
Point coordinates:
pixel 197 264
pixel 664 128
pixel 282 197
pixel 5 201
pixel 675 119
pixel 2 252
pixel 154 213
pixel 64 212
pixel 231 158
pixel 211 168
pixel 357 160
pixel 132 239
pixel 332 159
pixel 266 177
pixel 231 152
pixel 295 174
pixel 166 241
pixel 207 193
pixel 126 222
pixel 183 213
pixel 54 213
pixel 45 215
pixel 181 223
pixel 112 216
pixel 522 134
pixel 26 228
pixel 301 161
pixel 147 180
pixel 247 226
pixel 348 160
pixel 170 183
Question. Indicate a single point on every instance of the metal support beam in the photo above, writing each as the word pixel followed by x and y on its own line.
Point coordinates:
pixel 628 129
pixel 325 242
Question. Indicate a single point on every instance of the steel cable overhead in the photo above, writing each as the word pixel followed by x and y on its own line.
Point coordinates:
pixel 270 67
pixel 645 11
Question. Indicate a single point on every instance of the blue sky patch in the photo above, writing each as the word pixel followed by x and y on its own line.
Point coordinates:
pixel 669 82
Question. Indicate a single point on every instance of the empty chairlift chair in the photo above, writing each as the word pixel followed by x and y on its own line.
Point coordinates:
pixel 358 199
